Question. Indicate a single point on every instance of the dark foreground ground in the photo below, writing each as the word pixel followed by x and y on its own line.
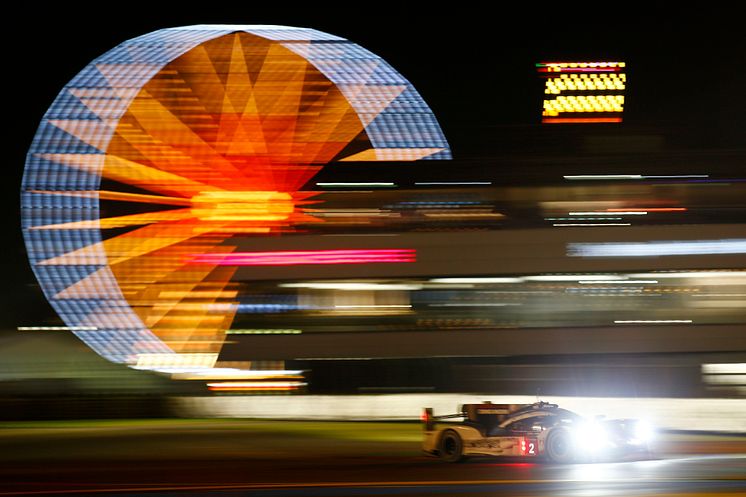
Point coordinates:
pixel 286 459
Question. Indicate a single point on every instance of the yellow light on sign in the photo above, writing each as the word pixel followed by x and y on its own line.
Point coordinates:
pixel 583 92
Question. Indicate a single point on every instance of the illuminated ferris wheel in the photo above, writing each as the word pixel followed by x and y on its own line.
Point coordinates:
pixel 161 151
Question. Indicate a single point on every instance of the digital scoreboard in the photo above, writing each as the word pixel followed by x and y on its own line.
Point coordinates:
pixel 582 92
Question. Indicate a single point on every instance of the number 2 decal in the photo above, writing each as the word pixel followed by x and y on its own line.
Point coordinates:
pixel 531 448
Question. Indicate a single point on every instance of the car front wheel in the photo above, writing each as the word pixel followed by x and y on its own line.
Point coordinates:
pixel 451 447
pixel 559 447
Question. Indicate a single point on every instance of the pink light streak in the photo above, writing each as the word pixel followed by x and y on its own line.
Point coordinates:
pixel 291 258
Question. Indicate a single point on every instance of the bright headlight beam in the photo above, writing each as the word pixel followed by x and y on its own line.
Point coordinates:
pixel 643 431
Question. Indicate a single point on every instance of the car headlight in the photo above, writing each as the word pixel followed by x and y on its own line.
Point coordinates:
pixel 591 436
pixel 643 431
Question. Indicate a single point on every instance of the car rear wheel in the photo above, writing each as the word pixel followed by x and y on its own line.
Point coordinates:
pixel 451 447
pixel 559 447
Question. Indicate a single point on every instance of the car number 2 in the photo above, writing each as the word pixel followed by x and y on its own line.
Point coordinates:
pixel 529 447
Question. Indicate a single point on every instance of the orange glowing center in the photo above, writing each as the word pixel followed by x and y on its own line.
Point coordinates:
pixel 239 206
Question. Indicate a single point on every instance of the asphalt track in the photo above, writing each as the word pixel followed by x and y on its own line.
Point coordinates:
pixel 276 460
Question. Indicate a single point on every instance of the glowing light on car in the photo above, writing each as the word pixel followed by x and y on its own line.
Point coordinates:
pixel 591 436
pixel 643 431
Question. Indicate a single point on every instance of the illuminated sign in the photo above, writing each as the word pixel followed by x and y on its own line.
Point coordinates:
pixel 583 92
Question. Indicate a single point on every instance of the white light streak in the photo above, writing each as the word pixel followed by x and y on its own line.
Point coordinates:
pixel 353 185
pixel 617 282
pixel 725 368
pixel 656 249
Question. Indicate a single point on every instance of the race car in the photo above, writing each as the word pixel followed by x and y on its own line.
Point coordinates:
pixel 541 431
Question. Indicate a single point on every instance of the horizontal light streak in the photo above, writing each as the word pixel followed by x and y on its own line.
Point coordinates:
pixel 604 218
pixel 355 185
pixel 374 306
pixel 692 274
pixel 476 280
pixel 580 120
pixel 649 209
pixel 353 286
pixel 573 277
pixel 653 321
pixel 656 249
pixel 606 213
pixel 476 304
pixel 495 215
pixel 617 282
pixel 571 66
pixel 725 368
pixel 263 332
pixel 591 224
pixel 630 176
pixel 289 258
pixel 360 234
pixel 428 183
pixel 57 328
pixel 255 385
pixel 602 176
pixel 725 379
pixel 675 176
pixel 234 373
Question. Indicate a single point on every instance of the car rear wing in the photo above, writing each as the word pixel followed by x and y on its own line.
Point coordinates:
pixel 429 419
pixel 486 412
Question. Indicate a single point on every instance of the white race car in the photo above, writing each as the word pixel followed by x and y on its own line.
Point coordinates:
pixel 540 430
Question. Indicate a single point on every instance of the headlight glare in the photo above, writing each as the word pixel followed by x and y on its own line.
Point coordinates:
pixel 643 431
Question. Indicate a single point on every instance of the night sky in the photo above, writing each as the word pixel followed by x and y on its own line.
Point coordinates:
pixel 686 69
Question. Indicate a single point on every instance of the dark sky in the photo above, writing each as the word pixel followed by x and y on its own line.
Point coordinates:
pixel 686 68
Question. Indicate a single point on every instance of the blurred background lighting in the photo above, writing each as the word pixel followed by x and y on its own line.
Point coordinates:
pixel 654 249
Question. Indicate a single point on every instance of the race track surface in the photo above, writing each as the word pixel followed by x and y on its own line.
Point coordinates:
pixel 278 459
